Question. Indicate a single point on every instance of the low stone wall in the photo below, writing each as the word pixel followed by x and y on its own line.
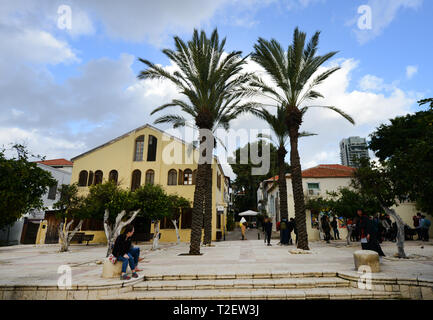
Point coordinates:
pixel 77 292
pixel 409 288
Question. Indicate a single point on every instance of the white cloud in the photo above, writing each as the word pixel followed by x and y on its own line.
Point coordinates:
pixel 411 71
pixel 383 14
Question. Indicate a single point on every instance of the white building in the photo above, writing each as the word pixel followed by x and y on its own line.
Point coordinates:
pixel 316 182
pixel 24 230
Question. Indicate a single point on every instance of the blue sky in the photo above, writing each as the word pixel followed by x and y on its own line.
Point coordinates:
pixel 71 90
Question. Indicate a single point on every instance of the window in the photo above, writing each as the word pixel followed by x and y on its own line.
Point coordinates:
pixel 113 176
pixel 136 180
pixel 151 148
pixel 82 178
pixel 186 218
pixel 90 182
pixel 150 175
pixel 139 146
pixel 98 177
pixel 218 222
pixel 52 192
pixel 172 177
pixel 313 189
pixel 187 176
pixel 219 181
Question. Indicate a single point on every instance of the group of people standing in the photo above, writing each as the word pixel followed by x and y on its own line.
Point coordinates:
pixel 327 226
pixel 286 227
pixel 422 225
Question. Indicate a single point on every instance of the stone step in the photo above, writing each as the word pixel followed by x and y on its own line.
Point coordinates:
pixel 283 283
pixel 256 294
pixel 237 275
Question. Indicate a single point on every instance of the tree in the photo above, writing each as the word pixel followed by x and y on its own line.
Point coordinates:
pixel 176 204
pixel 154 204
pixel 405 148
pixel 376 181
pixel 344 203
pixel 277 123
pixel 212 83
pixel 22 185
pixel 109 202
pixel 245 184
pixel 70 206
pixel 292 73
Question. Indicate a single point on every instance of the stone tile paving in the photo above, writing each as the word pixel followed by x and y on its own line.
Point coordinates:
pixel 38 265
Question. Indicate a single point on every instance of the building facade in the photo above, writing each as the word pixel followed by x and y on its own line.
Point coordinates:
pixel 316 182
pixel 351 149
pixel 30 228
pixel 147 155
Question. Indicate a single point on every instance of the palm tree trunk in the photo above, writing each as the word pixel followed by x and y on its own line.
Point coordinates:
pixel 197 210
pixel 282 185
pixel 298 192
pixel 208 206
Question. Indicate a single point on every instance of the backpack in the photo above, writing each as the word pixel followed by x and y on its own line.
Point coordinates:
pixel 427 223
pixel 283 225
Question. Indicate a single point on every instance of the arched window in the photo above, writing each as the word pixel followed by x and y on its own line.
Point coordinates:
pixel 150 175
pixel 151 148
pixel 98 177
pixel 187 176
pixel 113 176
pixel 172 177
pixel 139 147
pixel 136 180
pixel 90 182
pixel 82 178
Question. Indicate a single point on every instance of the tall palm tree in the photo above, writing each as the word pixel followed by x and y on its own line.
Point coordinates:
pixel 293 85
pixel 212 82
pixel 277 124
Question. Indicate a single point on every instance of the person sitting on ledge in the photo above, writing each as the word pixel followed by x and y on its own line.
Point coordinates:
pixel 125 252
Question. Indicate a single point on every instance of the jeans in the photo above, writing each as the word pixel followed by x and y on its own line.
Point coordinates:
pixel 336 234
pixel 133 255
pixel 268 237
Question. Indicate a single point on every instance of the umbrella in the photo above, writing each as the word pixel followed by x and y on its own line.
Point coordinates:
pixel 248 213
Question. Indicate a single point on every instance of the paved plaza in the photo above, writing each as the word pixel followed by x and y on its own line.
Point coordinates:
pixel 38 265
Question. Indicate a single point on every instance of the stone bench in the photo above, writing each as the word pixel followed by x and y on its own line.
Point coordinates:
pixel 111 270
pixel 367 258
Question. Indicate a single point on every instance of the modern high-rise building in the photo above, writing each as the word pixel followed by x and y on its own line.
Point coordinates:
pixel 351 149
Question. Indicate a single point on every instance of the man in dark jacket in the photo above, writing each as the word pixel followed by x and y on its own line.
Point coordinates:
pixel 326 228
pixel 373 236
pixel 362 226
pixel 268 230
pixel 125 252
pixel 334 225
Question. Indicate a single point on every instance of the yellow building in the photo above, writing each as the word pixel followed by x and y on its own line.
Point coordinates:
pixel 149 155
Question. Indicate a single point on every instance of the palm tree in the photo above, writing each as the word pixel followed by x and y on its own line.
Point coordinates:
pixel 277 123
pixel 292 75
pixel 212 82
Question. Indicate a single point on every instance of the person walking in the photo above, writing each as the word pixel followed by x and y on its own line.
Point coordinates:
pixel 284 232
pixel 373 236
pixel 416 223
pixel 268 230
pixel 425 225
pixel 126 253
pixel 362 228
pixel 243 228
pixel 326 228
pixel 334 225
